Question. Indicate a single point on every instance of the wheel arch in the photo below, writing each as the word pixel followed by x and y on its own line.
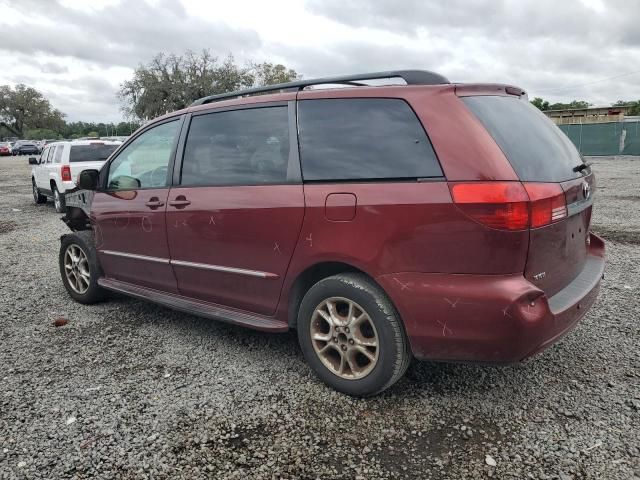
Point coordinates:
pixel 312 275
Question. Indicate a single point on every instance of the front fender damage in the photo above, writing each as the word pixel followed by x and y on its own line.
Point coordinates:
pixel 78 203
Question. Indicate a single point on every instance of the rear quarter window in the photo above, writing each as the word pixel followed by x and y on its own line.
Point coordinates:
pixel 363 139
pixel 537 150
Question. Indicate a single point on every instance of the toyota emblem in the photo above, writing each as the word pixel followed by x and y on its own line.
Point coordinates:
pixel 586 190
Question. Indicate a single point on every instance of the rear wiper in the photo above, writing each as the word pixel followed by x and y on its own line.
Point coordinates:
pixel 581 167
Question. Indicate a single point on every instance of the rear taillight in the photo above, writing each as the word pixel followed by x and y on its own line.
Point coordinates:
pixel 510 205
pixel 65 173
pixel 502 205
pixel 548 204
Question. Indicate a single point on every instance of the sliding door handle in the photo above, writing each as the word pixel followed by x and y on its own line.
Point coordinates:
pixel 179 202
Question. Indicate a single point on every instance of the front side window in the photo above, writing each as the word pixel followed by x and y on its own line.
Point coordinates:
pixel 238 147
pixel 46 155
pixel 144 163
pixel 43 156
pixel 363 139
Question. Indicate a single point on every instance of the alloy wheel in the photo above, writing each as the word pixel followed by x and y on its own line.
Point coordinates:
pixel 344 338
pixel 76 269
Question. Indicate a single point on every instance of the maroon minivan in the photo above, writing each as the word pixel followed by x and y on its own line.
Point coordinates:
pixel 429 220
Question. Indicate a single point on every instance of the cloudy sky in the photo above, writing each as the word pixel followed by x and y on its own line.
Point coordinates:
pixel 77 52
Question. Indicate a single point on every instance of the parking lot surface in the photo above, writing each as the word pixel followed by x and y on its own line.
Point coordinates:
pixel 127 389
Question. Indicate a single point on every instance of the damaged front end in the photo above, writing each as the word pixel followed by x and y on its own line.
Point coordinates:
pixel 78 208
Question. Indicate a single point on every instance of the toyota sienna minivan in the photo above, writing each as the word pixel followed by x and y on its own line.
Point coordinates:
pixel 424 220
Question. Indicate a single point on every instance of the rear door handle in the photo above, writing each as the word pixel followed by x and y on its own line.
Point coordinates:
pixel 180 202
pixel 154 202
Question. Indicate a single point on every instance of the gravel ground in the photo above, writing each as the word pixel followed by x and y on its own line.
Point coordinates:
pixel 131 390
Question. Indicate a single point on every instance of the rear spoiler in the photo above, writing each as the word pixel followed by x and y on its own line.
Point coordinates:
pixel 467 90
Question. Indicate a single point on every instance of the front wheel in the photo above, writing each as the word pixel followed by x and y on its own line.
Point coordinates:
pixel 58 200
pixel 352 336
pixel 79 268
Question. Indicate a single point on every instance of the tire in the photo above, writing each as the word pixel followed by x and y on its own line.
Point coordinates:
pixel 58 200
pixel 359 296
pixel 84 290
pixel 37 196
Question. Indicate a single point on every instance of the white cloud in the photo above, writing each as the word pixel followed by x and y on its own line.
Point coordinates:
pixel 78 52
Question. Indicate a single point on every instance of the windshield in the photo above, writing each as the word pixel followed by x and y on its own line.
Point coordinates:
pixel 537 150
pixel 94 152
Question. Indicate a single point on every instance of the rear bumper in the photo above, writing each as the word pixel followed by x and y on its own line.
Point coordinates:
pixel 66 186
pixel 489 318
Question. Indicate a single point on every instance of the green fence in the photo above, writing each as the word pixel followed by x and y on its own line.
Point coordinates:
pixel 613 138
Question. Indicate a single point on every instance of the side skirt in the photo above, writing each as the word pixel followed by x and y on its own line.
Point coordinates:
pixel 196 307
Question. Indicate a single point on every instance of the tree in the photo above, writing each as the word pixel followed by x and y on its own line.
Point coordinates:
pixel 635 106
pixel 270 74
pixel 23 108
pixel 41 134
pixel 540 104
pixel 172 82
pixel 574 104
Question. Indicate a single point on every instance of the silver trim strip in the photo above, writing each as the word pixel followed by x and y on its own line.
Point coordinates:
pixel 579 205
pixel 219 268
pixel 135 256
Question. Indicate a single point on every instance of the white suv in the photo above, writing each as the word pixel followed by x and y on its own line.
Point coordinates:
pixel 57 169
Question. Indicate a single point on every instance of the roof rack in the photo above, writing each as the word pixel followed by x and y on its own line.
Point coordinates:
pixel 411 77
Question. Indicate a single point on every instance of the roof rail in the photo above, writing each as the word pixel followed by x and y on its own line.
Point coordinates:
pixel 411 77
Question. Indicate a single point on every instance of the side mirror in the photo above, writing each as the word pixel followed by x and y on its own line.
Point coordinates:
pixel 88 179
pixel 33 161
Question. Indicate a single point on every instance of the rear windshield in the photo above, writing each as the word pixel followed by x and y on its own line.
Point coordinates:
pixel 537 150
pixel 94 152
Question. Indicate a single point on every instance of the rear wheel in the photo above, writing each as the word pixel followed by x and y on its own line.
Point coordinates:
pixel 58 200
pixel 80 269
pixel 352 336
pixel 37 197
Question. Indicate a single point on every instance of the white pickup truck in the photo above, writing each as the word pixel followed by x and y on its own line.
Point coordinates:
pixel 57 169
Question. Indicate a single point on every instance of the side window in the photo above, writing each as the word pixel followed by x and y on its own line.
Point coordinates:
pixel 45 154
pixel 145 161
pixel 238 147
pixel 363 139
pixel 58 156
pixel 52 151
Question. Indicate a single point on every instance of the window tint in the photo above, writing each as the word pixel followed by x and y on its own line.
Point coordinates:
pixel 49 155
pixel 145 161
pixel 239 147
pixel 537 150
pixel 353 139
pixel 59 150
pixel 43 156
pixel 94 152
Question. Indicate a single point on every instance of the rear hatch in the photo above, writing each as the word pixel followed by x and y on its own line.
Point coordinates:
pixel 559 185
pixel 89 156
